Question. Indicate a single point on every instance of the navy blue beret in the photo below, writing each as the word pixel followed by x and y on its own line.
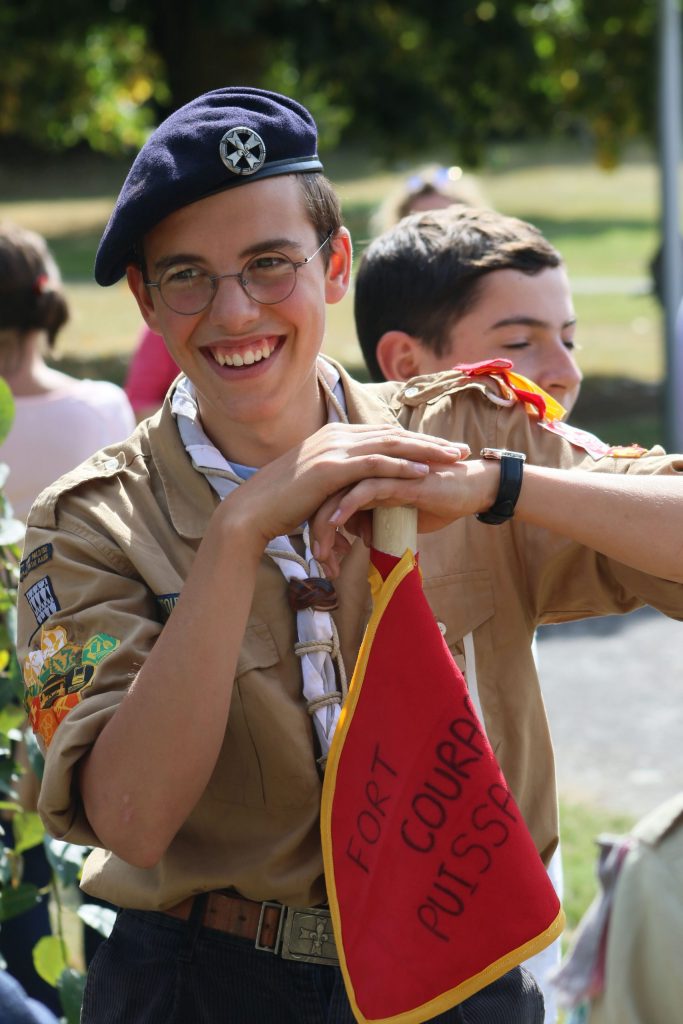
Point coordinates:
pixel 219 140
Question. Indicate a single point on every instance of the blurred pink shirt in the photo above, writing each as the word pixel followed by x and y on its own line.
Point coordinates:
pixel 54 432
pixel 150 373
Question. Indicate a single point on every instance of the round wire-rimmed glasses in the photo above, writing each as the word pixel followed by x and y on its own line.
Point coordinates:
pixel 267 278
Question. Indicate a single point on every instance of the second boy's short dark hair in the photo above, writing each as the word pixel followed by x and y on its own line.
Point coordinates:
pixel 424 274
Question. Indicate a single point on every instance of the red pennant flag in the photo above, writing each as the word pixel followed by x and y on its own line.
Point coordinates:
pixel 435 886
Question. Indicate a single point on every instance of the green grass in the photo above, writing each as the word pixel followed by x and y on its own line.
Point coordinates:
pixel 619 335
pixel 580 825
pixel 604 223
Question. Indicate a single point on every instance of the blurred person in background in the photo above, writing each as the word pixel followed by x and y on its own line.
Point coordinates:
pixel 59 420
pixel 432 187
pixel 624 963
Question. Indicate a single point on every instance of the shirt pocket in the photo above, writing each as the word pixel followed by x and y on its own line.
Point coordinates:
pixel 267 759
pixel 463 605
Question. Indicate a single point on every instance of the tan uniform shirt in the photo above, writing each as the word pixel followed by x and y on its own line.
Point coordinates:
pixel 643 979
pixel 108 548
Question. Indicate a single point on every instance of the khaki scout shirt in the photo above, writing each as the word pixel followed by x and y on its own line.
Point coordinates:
pixel 108 548
pixel 643 979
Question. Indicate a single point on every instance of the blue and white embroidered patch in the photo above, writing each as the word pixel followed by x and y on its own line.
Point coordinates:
pixel 43 600
pixel 167 603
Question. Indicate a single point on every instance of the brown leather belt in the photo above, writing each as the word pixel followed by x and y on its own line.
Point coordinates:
pixel 294 933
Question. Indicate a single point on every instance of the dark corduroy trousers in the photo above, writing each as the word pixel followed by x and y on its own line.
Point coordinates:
pixel 155 969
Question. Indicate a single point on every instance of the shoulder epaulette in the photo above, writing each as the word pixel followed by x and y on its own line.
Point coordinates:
pixel 495 380
pixel 660 822
pixel 537 402
pixel 98 467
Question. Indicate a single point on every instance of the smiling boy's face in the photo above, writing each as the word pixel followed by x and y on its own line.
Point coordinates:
pixel 253 365
pixel 528 318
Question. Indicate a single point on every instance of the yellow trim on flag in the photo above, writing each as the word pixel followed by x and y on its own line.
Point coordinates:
pixel 455 996
pixel 382 593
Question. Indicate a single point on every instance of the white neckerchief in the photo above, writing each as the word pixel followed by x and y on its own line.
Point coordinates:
pixel 318 643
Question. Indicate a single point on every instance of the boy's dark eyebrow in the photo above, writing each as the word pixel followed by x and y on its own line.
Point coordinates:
pixel 526 321
pixel 269 245
pixel 173 258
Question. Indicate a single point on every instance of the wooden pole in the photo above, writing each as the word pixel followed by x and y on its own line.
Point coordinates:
pixel 394 530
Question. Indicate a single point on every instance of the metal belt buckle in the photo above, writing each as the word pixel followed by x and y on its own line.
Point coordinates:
pixel 307 936
pixel 257 941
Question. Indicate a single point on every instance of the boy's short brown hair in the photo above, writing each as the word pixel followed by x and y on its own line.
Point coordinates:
pixel 424 274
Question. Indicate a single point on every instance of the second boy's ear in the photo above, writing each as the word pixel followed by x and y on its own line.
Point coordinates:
pixel 399 355
pixel 338 273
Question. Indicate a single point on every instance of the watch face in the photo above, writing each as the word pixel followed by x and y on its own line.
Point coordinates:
pixel 499 453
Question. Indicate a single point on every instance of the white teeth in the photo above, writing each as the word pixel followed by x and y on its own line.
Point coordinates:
pixel 246 358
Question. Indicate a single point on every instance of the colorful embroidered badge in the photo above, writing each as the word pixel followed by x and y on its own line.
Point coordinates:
pixel 56 676
pixel 43 600
pixel 34 560
pixel 626 451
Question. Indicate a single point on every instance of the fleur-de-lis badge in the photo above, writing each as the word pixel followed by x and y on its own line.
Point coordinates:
pixel 242 150
pixel 317 937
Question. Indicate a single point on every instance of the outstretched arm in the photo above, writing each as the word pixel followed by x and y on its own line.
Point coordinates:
pixel 634 519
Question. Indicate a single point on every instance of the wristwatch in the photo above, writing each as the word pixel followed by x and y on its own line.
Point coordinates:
pixel 511 470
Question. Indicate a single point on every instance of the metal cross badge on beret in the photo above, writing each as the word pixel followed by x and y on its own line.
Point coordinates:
pixel 242 150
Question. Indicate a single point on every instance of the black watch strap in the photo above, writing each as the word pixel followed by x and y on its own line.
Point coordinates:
pixel 511 473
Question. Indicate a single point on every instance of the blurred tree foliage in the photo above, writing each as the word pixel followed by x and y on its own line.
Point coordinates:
pixel 396 76
pixel 77 72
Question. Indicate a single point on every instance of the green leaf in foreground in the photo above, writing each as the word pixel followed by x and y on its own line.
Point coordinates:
pixel 70 987
pixel 28 831
pixel 17 900
pixel 6 409
pixel 49 958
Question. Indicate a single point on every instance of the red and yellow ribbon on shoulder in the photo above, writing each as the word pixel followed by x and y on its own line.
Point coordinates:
pixel 435 886
pixel 546 410
pixel 536 401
